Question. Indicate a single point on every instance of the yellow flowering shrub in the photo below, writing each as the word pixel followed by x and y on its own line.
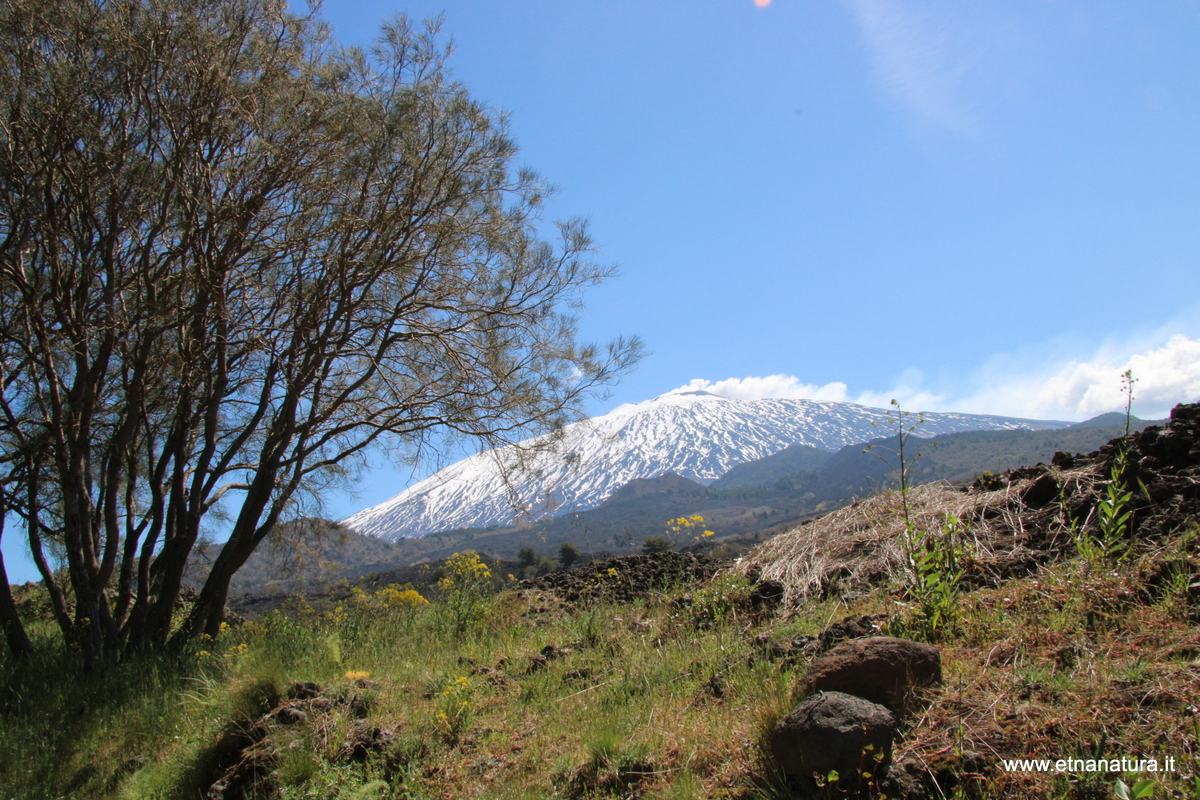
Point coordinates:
pixel 393 596
pixel 464 585
pixel 367 609
pixel 455 706
pixel 464 571
pixel 692 526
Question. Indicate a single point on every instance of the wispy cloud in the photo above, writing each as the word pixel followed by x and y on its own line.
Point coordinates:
pixel 1167 372
pixel 918 60
pixel 753 388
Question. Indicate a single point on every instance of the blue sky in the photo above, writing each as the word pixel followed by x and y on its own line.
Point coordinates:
pixel 961 203
pixel 972 206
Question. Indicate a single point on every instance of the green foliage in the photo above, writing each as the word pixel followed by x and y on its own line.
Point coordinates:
pixel 568 554
pixel 337 782
pixel 587 625
pixel 531 565
pixel 389 603
pixel 1142 788
pixel 465 586
pixel 1114 513
pixel 1112 537
pixel 936 561
pixel 720 599
pixel 657 544
pixel 936 566
pixel 456 707
pixel 297 766
pixel 372 790
pixel 614 763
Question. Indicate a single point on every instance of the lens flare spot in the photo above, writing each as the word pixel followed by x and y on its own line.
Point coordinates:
pixel 762 3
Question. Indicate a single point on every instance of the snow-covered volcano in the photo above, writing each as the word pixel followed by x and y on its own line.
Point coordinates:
pixel 695 434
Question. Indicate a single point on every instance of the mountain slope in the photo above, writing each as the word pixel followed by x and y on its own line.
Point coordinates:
pixel 697 435
pixel 789 461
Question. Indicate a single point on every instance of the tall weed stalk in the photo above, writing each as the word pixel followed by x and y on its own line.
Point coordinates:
pixel 937 564
pixel 1111 539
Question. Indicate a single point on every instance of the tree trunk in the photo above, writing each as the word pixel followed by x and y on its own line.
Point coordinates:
pixel 14 631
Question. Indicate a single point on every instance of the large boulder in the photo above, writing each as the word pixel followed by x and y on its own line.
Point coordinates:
pixel 881 669
pixel 834 732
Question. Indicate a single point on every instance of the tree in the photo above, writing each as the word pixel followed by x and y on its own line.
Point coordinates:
pixel 235 257
pixel 657 544
pixel 568 554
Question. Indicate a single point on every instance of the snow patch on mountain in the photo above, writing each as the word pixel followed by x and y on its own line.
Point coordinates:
pixel 696 434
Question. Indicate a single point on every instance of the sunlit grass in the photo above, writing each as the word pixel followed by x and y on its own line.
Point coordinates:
pixel 666 697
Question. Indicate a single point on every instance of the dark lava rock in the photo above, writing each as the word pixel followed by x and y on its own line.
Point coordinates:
pixel 881 669
pixel 303 691
pixel 239 780
pixel 362 740
pixel 626 578
pixel 290 715
pixel 802 648
pixel 851 628
pixel 1161 467
pixel 833 731
pixel 767 595
pixel 545 656
pixel 1062 460
pixel 714 689
pixel 1042 492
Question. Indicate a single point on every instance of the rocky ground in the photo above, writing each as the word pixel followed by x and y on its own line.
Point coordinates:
pixel 623 579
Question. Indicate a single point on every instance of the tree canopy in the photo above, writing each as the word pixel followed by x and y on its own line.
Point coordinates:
pixel 234 256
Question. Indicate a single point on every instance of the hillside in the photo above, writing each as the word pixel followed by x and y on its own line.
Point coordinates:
pixel 668 676
pixel 750 498
pixel 793 460
pixel 301 554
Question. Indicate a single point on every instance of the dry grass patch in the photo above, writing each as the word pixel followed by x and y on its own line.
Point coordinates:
pixel 862 545
pixel 1035 676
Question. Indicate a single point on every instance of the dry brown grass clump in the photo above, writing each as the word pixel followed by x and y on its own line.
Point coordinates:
pixel 1008 529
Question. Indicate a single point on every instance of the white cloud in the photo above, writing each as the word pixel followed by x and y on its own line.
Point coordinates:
pixel 771 386
pixel 916 60
pixel 1166 372
pixel 1164 376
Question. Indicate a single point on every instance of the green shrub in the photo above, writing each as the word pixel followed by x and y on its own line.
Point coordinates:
pixel 936 567
pixel 465 586
pixel 568 554
pixel 657 544
pixel 721 599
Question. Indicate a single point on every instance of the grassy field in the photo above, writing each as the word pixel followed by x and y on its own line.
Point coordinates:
pixel 517 693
